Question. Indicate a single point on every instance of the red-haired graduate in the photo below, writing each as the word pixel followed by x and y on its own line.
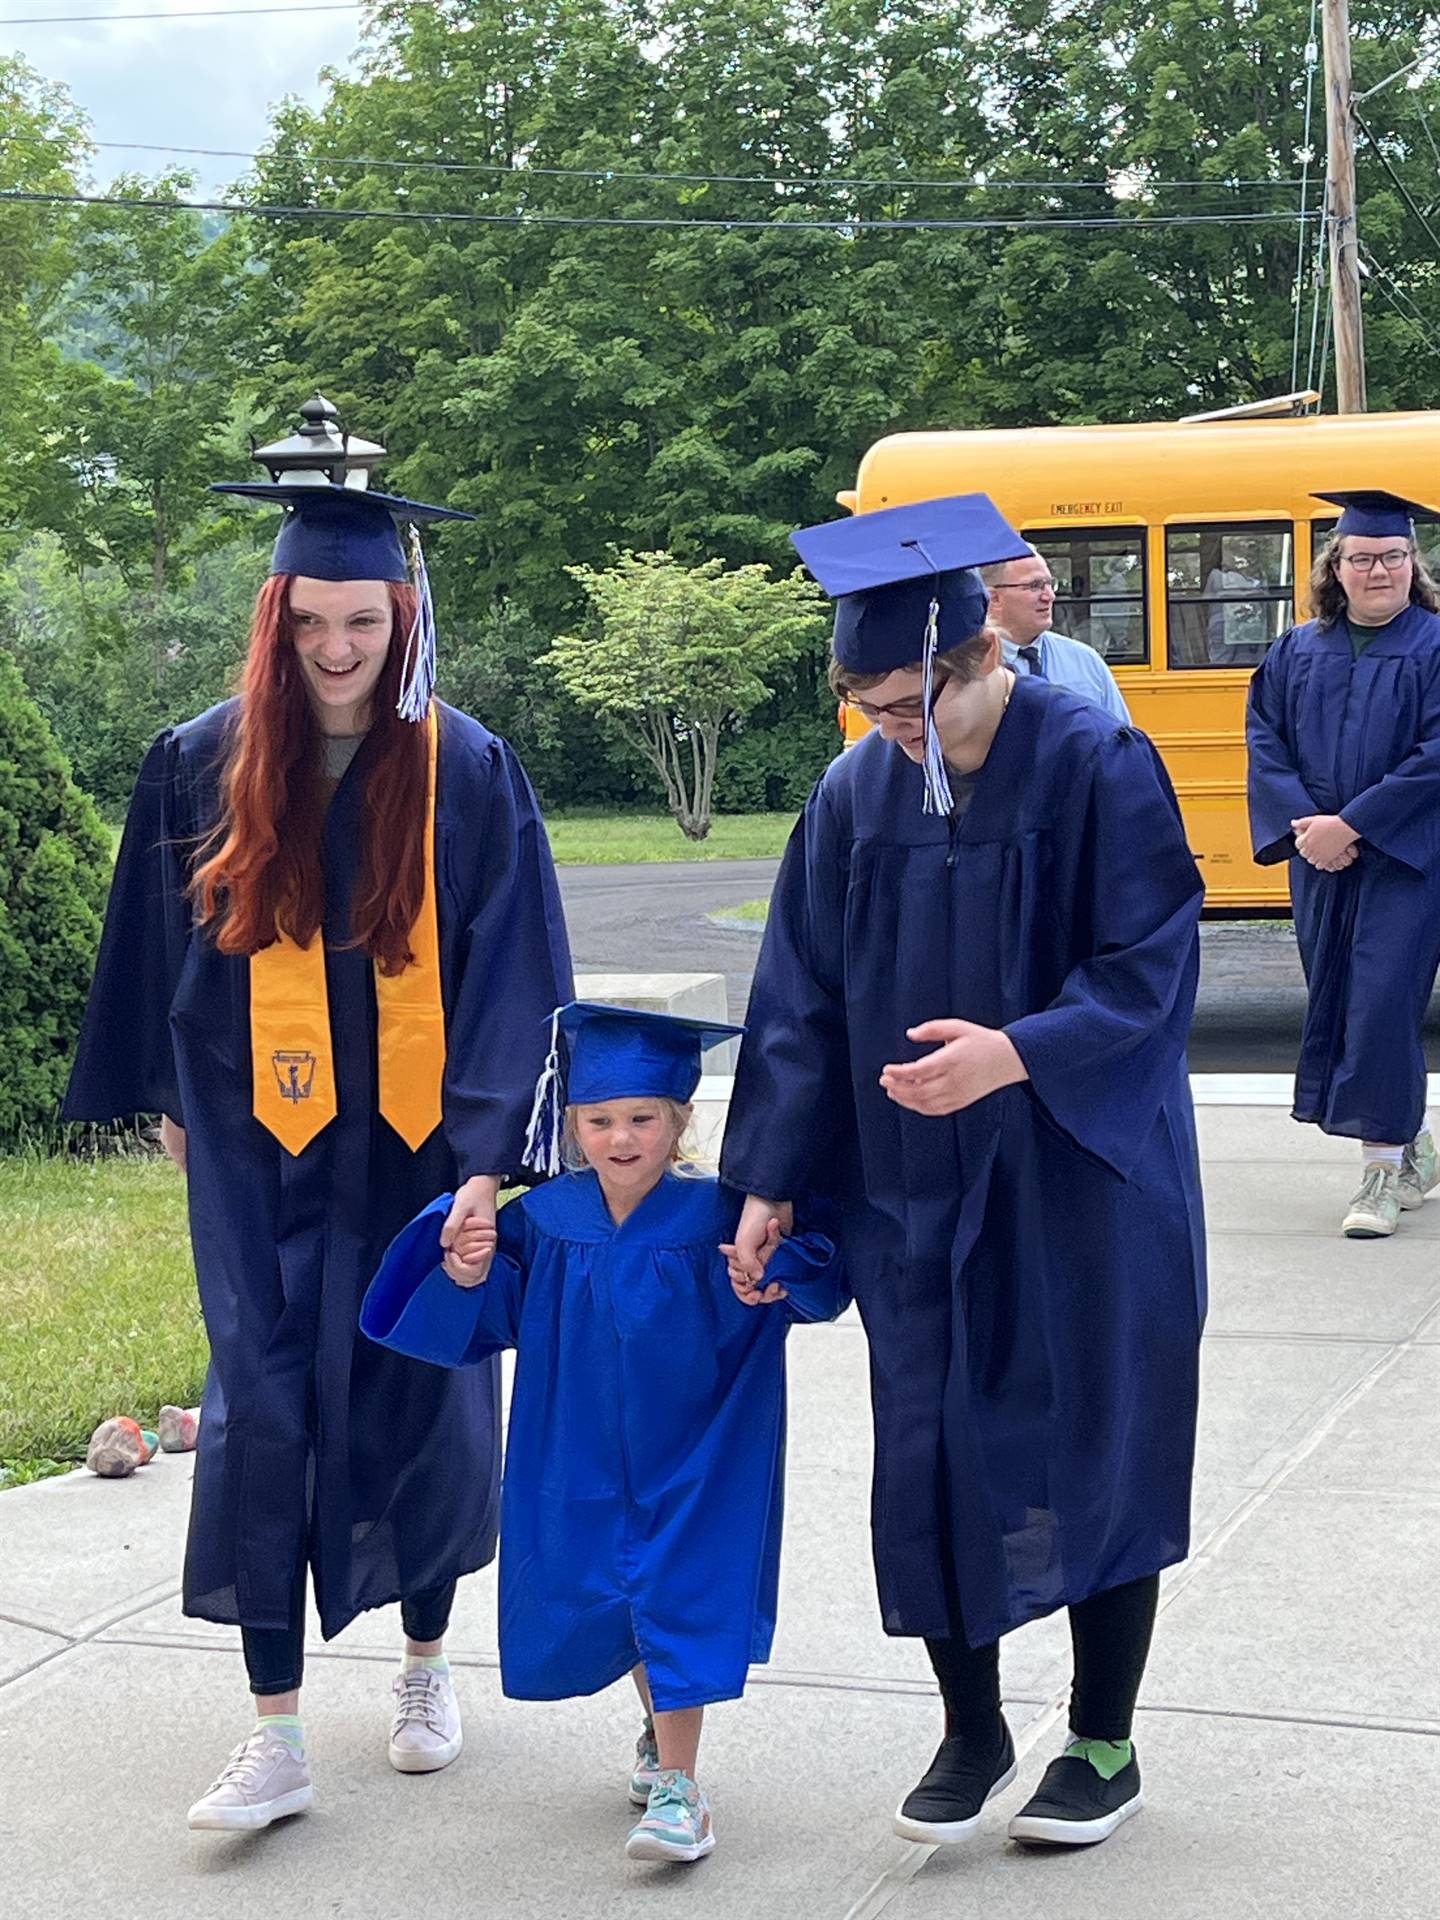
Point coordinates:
pixel 332 943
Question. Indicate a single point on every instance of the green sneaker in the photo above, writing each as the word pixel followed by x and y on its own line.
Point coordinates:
pixel 1375 1211
pixel 1421 1172
pixel 676 1825
pixel 647 1765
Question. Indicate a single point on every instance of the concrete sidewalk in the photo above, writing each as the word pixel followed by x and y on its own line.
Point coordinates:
pixel 1287 1729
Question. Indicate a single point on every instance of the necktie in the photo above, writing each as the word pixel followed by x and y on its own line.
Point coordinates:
pixel 1031 656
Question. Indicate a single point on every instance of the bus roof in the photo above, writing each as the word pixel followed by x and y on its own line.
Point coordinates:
pixel 1160 470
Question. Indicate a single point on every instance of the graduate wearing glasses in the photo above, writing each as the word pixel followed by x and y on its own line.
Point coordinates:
pixel 1344 740
pixel 968 1020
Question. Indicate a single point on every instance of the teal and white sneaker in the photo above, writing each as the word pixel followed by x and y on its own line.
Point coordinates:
pixel 647 1765
pixel 1420 1173
pixel 1375 1211
pixel 676 1825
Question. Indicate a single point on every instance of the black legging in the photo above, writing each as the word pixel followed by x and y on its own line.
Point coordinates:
pixel 275 1656
pixel 1110 1634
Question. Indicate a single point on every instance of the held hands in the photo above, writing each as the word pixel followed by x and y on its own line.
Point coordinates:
pixel 469 1234
pixel 763 1225
pixel 969 1062
pixel 1326 841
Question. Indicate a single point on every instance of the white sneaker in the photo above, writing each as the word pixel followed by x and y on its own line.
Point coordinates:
pixel 1375 1211
pixel 1420 1172
pixel 263 1780
pixel 426 1734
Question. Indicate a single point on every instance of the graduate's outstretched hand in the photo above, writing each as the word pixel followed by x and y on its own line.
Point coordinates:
pixel 469 1235
pixel 968 1063
pixel 1327 841
pixel 755 1293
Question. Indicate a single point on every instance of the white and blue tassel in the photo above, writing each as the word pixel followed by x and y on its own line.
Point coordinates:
pixel 417 671
pixel 547 1114
pixel 938 797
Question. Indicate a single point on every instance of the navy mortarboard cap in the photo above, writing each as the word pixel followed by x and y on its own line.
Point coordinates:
pixel 1376 515
pixel 336 527
pixel 614 1053
pixel 901 576
pixel 413 1306
pixel 912 543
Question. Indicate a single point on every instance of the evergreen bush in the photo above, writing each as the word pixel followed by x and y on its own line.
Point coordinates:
pixel 54 875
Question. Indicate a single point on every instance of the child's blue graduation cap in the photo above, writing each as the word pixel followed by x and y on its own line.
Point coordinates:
pixel 1376 515
pixel 337 528
pixel 614 1053
pixel 897 577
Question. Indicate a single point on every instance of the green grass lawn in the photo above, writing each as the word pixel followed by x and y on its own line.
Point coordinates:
pixel 98 1313
pixel 749 913
pixel 616 839
pixel 623 839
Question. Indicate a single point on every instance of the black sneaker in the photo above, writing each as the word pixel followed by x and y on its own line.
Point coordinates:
pixel 1075 1807
pixel 947 1803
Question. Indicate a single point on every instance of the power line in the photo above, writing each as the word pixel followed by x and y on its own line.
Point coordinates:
pixel 1399 185
pixel 620 174
pixel 441 216
pixel 1416 324
pixel 207 13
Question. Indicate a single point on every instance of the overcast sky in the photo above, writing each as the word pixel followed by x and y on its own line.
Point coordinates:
pixel 190 83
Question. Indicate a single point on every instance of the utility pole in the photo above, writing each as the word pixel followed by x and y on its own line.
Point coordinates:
pixel 1340 208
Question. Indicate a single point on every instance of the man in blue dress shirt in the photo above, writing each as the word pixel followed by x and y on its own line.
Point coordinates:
pixel 1022 600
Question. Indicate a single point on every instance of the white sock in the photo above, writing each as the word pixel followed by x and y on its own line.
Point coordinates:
pixel 1384 1156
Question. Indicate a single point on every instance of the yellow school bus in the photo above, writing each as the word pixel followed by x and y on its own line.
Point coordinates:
pixel 1180 552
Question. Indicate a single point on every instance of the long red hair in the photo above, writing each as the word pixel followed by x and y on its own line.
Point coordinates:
pixel 262 865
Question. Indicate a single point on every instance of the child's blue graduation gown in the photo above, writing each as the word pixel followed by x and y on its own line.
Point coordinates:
pixel 1030 1270
pixel 1328 734
pixel 313 1442
pixel 644 1463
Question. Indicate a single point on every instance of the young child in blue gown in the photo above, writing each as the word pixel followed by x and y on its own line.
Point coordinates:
pixel 643 1491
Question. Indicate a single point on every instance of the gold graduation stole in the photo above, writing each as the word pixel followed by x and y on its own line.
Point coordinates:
pixel 292 1056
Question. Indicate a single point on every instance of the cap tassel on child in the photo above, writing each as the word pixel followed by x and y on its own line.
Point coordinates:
pixel 547 1119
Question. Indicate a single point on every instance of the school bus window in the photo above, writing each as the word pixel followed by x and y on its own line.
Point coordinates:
pixel 1230 592
pixel 1427 538
pixel 1099 588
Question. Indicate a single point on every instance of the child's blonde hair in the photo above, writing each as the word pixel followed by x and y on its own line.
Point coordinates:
pixel 678 1112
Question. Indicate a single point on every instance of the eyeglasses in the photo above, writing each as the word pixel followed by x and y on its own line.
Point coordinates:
pixel 896 710
pixel 1023 586
pixel 1392 559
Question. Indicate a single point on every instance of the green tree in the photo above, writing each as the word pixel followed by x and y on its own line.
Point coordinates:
pixel 164 290
pixel 675 655
pixel 42 147
pixel 54 871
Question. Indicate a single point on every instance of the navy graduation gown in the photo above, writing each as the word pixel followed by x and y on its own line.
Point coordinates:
pixel 644 1463
pixel 1030 1270
pixel 1328 733
pixel 315 1444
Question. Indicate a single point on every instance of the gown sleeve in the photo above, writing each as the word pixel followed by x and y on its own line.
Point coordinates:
pixel 124 1063
pixel 792 1100
pixel 1104 1055
pixel 415 1308
pixel 515 970
pixel 1400 815
pixel 809 1267
pixel 1277 793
